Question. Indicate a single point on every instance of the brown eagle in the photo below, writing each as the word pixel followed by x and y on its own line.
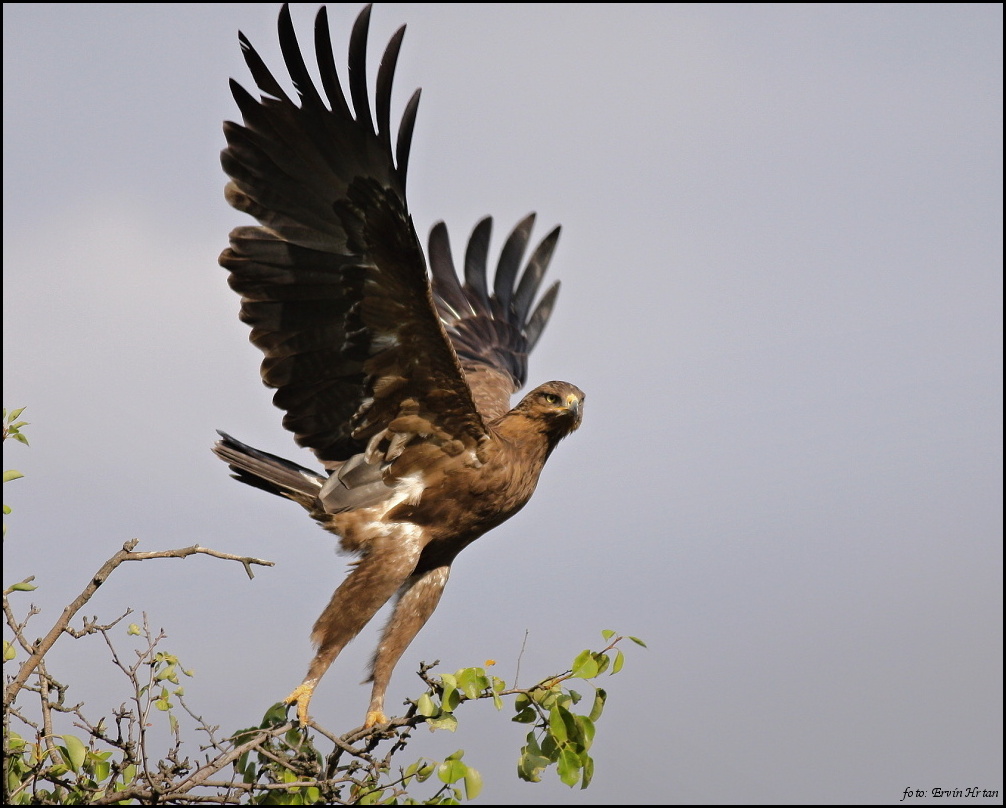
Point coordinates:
pixel 398 382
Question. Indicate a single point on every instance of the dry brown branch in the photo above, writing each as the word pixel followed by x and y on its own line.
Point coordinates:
pixel 39 650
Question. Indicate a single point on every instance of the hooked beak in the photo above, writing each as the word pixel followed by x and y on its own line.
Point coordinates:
pixel 573 404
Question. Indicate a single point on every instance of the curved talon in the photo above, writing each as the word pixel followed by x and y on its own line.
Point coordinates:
pixel 301 696
pixel 374 717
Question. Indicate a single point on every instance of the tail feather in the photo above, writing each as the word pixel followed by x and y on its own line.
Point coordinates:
pixel 268 472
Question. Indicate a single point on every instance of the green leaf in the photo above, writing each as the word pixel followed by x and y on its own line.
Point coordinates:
pixel 133 630
pixel 425 706
pixel 443 721
pixel 599 697
pixel 638 641
pixel 275 716
pixel 11 474
pixel 473 783
pixel 568 767
pixel 585 665
pixel 546 698
pixel 586 731
pixel 371 797
pixel 76 752
pixel 245 766
pixel 531 765
pixel 101 770
pixel 472 681
pixel 168 673
pixel 526 716
pixel 163 703
pixel 588 770
pixel 561 724
pixel 549 748
pixel 9 651
pixel 23 587
pixel 607 634
pixel 619 661
pixel 450 771
pixel 451 698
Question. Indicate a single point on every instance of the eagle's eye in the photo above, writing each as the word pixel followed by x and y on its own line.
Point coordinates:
pixel 552 398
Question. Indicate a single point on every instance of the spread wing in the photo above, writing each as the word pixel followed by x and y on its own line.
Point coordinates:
pixel 333 282
pixel 493 332
pixel 357 342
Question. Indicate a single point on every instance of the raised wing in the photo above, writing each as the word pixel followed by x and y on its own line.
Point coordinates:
pixel 493 332
pixel 333 283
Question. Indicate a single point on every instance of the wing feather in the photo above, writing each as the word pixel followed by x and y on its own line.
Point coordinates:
pixel 509 265
pixel 533 274
pixel 333 281
pixel 325 54
pixel 492 334
pixel 450 297
pixel 476 262
pixel 358 67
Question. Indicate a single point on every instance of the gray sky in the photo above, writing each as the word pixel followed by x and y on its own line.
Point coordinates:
pixel 782 293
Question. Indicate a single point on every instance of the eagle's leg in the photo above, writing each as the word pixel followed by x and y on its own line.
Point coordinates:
pixel 374 580
pixel 417 599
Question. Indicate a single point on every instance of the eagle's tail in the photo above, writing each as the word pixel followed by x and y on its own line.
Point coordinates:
pixel 269 472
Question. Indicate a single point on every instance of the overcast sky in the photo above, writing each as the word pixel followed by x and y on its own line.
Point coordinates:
pixel 782 293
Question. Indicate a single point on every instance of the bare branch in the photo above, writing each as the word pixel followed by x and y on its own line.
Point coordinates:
pixel 125 554
pixel 247 561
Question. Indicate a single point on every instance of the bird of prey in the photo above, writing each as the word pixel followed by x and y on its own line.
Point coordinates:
pixel 396 378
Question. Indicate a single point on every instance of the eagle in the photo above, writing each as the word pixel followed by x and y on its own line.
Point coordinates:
pixel 396 377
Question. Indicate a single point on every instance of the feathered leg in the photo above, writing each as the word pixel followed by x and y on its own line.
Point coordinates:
pixel 375 579
pixel 417 599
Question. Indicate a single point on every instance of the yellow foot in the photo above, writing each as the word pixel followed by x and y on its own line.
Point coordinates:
pixel 301 696
pixel 375 717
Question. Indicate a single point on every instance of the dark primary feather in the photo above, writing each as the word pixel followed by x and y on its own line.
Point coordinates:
pixel 492 333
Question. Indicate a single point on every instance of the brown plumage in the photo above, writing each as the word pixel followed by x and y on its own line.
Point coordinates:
pixel 399 382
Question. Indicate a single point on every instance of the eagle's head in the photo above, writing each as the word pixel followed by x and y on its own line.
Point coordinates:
pixel 556 406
